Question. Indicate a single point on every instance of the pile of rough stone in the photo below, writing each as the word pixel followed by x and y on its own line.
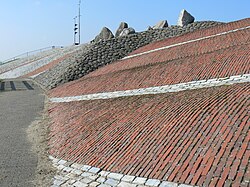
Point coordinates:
pixel 185 18
pixel 107 48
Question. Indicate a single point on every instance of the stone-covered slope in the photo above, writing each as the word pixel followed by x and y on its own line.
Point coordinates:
pixel 106 52
pixel 24 66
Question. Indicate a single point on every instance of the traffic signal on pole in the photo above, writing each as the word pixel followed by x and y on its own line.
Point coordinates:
pixel 75 29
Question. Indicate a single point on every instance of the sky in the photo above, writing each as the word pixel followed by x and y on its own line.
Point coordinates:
pixel 27 25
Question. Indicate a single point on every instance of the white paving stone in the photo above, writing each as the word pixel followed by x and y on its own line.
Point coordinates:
pixel 104 185
pixel 86 180
pixel 68 169
pixel 115 176
pixel 153 182
pixel 126 184
pixel 58 182
pixel 80 184
pixel 86 174
pixel 62 162
pixel 76 171
pixel 69 177
pixel 94 184
pixel 101 179
pixel 76 166
pixel 140 180
pixel 168 184
pixel 104 173
pixel 93 177
pixel 60 167
pixel 185 185
pixel 112 182
pixel 128 178
pixel 85 167
pixel 94 170
pixel 160 89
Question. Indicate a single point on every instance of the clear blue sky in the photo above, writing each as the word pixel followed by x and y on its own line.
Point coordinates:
pixel 32 24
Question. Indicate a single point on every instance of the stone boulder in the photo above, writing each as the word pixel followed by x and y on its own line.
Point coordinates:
pixel 161 25
pixel 105 34
pixel 185 18
pixel 127 31
pixel 122 26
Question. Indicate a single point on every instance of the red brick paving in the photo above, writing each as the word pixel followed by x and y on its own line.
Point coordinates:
pixel 199 137
pixel 195 34
pixel 226 62
pixel 220 56
pixel 179 52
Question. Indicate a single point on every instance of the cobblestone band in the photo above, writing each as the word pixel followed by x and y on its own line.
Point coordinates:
pixel 159 89
pixel 183 43
pixel 78 175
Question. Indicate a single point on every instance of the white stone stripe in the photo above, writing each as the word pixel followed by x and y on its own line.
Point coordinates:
pixel 74 174
pixel 158 90
pixel 34 76
pixel 183 43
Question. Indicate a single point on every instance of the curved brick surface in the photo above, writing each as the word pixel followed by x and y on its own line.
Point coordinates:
pixel 194 35
pixel 193 85
pixel 222 63
pixel 182 51
pixel 197 137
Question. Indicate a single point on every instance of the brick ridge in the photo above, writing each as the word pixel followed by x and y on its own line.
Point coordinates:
pixel 158 90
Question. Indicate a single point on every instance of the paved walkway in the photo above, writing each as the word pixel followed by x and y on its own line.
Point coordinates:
pixel 20 103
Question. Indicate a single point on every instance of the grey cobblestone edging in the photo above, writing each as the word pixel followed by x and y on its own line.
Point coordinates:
pixel 160 89
pixel 78 175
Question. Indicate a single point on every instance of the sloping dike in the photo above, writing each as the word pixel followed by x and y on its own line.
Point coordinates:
pixel 192 127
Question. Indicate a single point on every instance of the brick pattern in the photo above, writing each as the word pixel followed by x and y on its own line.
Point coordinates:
pixel 182 51
pixel 194 35
pixel 198 137
pixel 158 90
pixel 222 63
